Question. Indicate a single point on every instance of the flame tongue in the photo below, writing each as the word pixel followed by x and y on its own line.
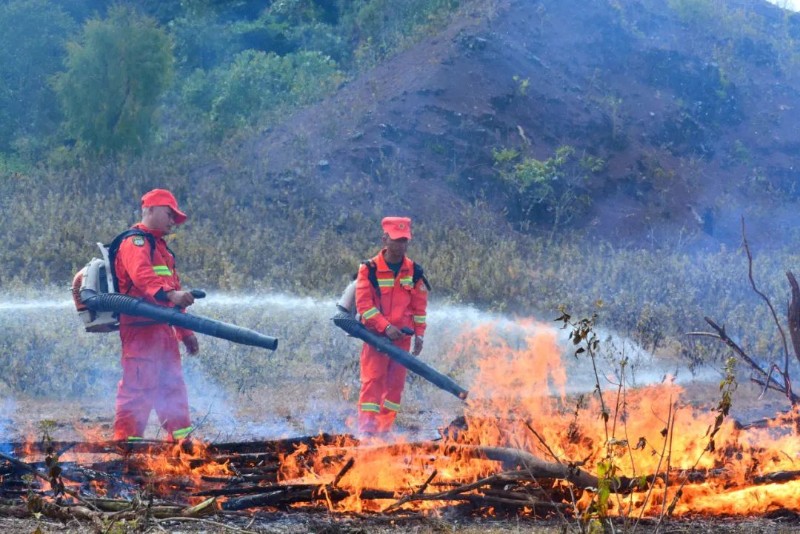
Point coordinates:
pixel 523 444
pixel 520 417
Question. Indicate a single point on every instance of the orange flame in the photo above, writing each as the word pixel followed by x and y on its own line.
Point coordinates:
pixel 519 399
pixel 183 465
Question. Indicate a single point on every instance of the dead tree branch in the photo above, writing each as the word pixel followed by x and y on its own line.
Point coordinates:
pixel 785 373
pixel 793 314
pixel 768 380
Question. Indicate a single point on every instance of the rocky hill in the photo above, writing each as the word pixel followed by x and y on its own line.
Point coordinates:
pixel 692 112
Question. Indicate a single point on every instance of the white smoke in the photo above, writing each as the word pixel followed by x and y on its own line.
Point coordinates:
pixel 7 410
pixel 315 402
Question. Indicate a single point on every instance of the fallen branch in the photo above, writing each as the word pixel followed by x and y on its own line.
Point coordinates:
pixel 279 496
pixel 410 497
pixel 780 476
pixel 39 474
pixel 281 446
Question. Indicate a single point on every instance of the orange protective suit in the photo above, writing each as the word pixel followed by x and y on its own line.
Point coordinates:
pixel 152 377
pixel 400 303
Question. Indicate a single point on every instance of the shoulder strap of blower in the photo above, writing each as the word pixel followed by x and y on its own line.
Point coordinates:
pixel 113 248
pixel 418 274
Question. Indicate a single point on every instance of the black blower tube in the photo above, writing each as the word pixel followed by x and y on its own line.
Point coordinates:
pixel 125 304
pixel 349 324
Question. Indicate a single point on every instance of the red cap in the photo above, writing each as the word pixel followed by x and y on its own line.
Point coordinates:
pixel 162 197
pixel 397 227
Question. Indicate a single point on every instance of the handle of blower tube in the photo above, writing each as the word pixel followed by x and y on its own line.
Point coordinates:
pixel 407 331
pixel 196 293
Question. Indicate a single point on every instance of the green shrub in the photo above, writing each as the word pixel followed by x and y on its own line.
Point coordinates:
pixel 293 26
pixel 115 76
pixel 257 83
pixel 10 165
pixel 553 190
pixel 380 27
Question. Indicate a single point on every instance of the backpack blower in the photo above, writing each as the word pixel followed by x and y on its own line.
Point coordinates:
pixel 99 305
pixel 347 320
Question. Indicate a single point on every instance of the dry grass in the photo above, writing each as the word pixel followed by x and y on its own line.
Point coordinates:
pixel 652 298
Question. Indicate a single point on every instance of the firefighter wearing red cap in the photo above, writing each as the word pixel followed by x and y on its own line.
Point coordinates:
pixel 399 303
pixel 152 378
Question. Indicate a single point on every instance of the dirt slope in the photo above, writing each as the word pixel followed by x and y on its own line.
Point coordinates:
pixel 692 143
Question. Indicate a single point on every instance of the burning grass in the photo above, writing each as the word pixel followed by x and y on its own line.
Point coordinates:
pixel 526 447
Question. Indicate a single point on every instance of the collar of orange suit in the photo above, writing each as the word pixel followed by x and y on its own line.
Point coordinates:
pixel 158 234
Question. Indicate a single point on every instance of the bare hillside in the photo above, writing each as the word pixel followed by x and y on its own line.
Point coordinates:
pixel 694 119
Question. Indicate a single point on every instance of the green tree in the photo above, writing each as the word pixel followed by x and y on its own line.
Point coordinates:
pixel 115 76
pixel 32 49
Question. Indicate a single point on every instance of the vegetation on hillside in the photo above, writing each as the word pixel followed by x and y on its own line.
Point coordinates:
pixel 235 64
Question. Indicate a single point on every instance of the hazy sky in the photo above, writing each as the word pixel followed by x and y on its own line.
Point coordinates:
pixel 789 4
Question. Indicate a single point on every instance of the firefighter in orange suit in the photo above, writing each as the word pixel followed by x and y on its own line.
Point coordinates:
pixel 399 303
pixel 152 377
